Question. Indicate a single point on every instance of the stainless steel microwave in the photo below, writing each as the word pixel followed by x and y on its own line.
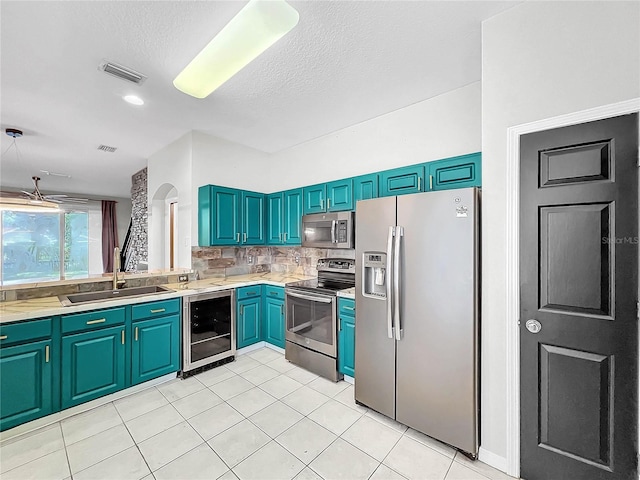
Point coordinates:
pixel 329 230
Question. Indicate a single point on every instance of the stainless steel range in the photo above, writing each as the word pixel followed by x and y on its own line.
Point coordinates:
pixel 311 318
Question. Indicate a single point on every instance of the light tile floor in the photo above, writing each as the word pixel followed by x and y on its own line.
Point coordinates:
pixel 259 417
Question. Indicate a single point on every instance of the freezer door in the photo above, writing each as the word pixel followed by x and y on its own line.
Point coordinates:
pixel 375 351
pixel 437 355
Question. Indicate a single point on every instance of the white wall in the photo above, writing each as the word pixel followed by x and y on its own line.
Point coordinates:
pixel 540 59
pixel 440 127
pixel 170 168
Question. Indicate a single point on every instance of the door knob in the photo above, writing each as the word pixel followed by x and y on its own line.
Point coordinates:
pixel 533 326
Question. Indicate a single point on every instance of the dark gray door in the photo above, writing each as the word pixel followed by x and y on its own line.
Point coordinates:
pixel 579 280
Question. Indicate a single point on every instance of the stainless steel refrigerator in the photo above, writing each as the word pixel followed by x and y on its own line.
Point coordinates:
pixel 417 312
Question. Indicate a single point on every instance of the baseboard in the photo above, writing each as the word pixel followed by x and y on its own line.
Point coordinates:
pixel 349 379
pixel 250 348
pixel 493 460
pixel 273 347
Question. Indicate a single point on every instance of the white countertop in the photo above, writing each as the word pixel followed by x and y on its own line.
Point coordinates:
pixel 49 306
pixel 348 293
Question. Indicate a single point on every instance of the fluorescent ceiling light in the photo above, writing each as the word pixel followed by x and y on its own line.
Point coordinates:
pixel 260 24
pixel 133 100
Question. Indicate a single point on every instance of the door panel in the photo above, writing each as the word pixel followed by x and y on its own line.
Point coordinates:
pixel 274 321
pixel 365 187
pixel 579 280
pixel 437 386
pixel 93 365
pixel 275 224
pixel 375 351
pixel 253 218
pixel 346 345
pixel 25 383
pixel 156 348
pixel 401 181
pixel 314 199
pixel 293 217
pixel 340 195
pixel 457 172
pixel 226 216
pixel 249 319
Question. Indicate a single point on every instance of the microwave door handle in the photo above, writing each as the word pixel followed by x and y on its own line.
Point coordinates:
pixel 312 298
pixel 389 282
pixel 333 231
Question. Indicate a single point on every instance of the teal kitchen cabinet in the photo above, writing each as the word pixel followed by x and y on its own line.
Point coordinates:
pixel 227 216
pixel 26 382
pixel 456 172
pixel 365 187
pixel 340 195
pixel 346 336
pixel 275 218
pixel 93 364
pixel 155 348
pixel 284 218
pixel 253 218
pixel 219 216
pixel 401 181
pixel 292 217
pixel 248 316
pixel 274 315
pixel 314 199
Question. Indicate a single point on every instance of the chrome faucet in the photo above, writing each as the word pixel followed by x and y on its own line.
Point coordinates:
pixel 116 266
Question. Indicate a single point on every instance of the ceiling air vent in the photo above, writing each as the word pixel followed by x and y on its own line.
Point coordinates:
pixel 122 72
pixel 107 148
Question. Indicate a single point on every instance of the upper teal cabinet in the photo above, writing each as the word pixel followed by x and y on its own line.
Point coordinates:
pixel 284 213
pixel 227 216
pixel 365 187
pixel 401 181
pixel 457 172
pixel 253 218
pixel 292 217
pixel 314 199
pixel 340 195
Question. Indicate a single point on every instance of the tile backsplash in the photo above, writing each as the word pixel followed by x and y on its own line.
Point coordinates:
pixel 227 261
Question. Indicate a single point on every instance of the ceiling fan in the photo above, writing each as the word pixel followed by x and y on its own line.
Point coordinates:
pixel 36 198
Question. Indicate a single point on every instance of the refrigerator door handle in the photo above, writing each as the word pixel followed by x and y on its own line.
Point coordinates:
pixel 389 282
pixel 399 233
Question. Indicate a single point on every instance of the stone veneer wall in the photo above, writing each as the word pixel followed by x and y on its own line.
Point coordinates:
pixel 139 244
pixel 210 262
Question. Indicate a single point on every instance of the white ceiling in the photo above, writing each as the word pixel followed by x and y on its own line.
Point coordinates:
pixel 344 63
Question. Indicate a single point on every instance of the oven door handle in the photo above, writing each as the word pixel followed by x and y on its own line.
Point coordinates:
pixel 313 298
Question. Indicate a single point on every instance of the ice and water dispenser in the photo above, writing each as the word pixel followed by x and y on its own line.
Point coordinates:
pixel 375 275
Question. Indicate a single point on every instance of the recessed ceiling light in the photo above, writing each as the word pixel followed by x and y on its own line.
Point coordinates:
pixel 133 100
pixel 255 28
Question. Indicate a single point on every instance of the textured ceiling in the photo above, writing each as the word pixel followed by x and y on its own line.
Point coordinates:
pixel 344 63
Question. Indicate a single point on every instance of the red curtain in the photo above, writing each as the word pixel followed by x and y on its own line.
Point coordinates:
pixel 109 234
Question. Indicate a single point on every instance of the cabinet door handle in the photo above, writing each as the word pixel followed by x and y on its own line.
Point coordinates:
pixel 4 337
pixel 241 309
pixel 122 337
pixel 430 182
pixel 282 309
pixel 419 183
pixel 46 354
pixel 339 324
pixel 158 310
pixel 273 293
pixel 328 203
pixel 349 308
pixel 250 294
pixel 237 238
pixel 136 334
pixel 280 236
pixel 99 320
pixel 321 204
pixel 244 238
pixel 285 237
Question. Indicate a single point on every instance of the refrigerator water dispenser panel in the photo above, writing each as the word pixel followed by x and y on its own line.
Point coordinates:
pixel 374 275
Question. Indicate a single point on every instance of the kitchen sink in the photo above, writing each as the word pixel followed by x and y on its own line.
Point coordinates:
pixel 90 297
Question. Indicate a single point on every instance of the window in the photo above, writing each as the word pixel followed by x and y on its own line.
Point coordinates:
pixel 38 246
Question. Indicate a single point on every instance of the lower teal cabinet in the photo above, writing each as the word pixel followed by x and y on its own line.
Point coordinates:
pixel 274 321
pixel 457 172
pixel 346 345
pixel 26 383
pixel 155 348
pixel 346 336
pixel 249 319
pixel 93 365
